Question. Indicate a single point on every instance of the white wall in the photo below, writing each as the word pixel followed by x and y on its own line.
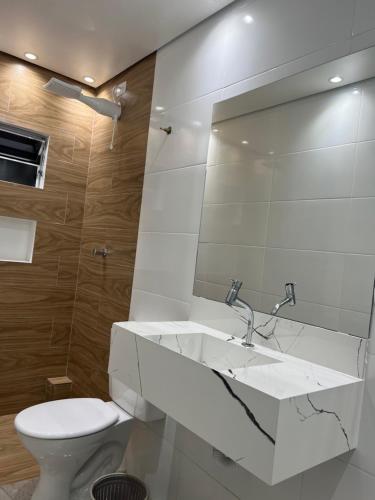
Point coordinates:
pixel 220 58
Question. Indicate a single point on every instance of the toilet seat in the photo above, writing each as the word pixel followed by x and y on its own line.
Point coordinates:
pixel 66 419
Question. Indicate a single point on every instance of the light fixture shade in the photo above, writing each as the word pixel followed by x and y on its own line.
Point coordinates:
pixel 336 79
pixel 31 56
pixel 89 79
pixel 248 19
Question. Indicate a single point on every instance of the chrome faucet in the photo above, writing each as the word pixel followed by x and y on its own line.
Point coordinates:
pixel 290 298
pixel 231 300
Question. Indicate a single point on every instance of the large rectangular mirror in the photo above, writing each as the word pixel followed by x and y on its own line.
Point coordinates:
pixel 290 196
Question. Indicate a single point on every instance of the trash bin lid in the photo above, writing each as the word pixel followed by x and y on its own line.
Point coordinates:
pixel 67 418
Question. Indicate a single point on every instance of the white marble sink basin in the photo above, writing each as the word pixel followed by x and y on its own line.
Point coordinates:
pixel 274 414
pixel 219 354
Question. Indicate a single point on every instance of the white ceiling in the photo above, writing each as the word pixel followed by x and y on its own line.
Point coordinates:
pixel 100 38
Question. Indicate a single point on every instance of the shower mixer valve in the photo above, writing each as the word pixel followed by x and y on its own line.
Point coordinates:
pixel 104 252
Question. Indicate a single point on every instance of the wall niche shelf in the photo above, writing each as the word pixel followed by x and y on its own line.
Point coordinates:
pixel 17 238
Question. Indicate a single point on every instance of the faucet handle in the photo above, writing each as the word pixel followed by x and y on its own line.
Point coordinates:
pixel 236 284
pixel 290 293
pixel 233 292
pixel 104 252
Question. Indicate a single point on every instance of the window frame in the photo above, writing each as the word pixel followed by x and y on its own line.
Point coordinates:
pixel 40 166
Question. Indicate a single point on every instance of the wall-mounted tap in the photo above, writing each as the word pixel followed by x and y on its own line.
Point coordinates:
pixel 231 300
pixel 167 130
pixel 290 298
pixel 103 252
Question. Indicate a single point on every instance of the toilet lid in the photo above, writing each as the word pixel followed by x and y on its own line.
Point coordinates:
pixel 67 418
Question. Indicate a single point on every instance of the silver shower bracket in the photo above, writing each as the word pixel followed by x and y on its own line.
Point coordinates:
pixel 118 92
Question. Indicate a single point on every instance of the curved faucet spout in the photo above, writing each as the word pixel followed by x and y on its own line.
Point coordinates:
pixel 231 300
pixel 278 306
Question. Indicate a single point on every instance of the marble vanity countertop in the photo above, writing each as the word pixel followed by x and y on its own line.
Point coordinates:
pixel 288 377
pixel 274 414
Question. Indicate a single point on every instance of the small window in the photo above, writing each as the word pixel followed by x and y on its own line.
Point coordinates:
pixel 23 155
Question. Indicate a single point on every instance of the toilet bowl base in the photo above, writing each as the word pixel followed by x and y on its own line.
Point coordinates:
pixel 50 487
pixel 69 465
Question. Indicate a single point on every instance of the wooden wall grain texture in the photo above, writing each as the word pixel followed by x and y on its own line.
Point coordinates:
pixel 92 197
pixel 111 217
pixel 37 299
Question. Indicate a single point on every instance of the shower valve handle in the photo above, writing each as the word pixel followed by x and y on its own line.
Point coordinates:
pixel 104 252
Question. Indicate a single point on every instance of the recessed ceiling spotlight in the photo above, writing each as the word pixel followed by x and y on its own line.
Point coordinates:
pixel 31 56
pixel 248 19
pixel 89 79
pixel 271 152
pixel 244 142
pixel 356 91
pixel 159 108
pixel 336 79
pixel 215 130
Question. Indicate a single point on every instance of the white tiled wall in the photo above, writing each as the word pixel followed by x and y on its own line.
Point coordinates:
pixel 223 57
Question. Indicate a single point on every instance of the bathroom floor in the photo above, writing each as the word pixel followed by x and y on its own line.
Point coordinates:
pixel 22 490
pixel 18 469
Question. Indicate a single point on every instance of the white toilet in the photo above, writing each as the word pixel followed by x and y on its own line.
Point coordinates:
pixel 74 441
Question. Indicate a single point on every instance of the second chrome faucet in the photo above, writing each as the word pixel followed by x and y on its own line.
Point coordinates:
pixel 290 298
pixel 232 299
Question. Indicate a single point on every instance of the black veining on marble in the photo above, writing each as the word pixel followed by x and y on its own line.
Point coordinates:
pixel 264 325
pixel 178 344
pixel 328 412
pixel 271 335
pixel 139 365
pixel 320 411
pixel 232 373
pixel 295 339
pixel 266 336
pixel 358 356
pixel 248 412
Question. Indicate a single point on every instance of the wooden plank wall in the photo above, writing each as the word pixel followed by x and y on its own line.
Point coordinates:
pixel 112 207
pixel 36 300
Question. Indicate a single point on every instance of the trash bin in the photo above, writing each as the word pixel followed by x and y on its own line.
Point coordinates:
pixel 119 487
